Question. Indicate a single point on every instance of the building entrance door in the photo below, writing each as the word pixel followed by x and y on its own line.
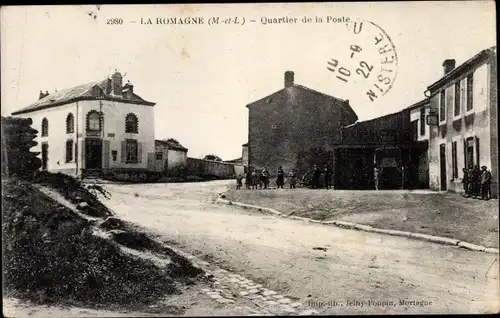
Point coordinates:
pixel 93 154
pixel 442 163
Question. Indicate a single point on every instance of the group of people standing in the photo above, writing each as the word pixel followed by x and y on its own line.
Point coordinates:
pixel 477 182
pixel 254 180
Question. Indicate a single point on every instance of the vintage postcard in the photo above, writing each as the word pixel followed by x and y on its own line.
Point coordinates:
pixel 250 159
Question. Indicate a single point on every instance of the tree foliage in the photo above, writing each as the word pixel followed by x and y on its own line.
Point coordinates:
pixel 212 157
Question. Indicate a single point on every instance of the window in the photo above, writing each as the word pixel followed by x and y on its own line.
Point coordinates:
pixel 114 154
pixel 45 127
pixel 477 151
pixel 94 120
pixel 69 150
pixel 457 99
pixel 131 124
pixel 70 124
pixel 442 106
pixel 470 84
pixel 469 152
pixel 454 161
pixel 159 156
pixel 422 121
pixel 131 150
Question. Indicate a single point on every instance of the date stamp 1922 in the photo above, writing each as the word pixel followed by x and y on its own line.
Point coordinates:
pixel 371 61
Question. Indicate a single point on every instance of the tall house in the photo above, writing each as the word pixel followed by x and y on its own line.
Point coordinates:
pixel 293 120
pixel 464 134
pixel 93 128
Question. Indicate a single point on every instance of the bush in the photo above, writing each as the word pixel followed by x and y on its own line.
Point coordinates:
pixel 50 254
pixel 74 191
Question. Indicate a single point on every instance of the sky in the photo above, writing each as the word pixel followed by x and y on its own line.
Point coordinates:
pixel 202 76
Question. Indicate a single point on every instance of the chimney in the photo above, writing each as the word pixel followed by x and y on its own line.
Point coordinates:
pixel 448 65
pixel 116 79
pixel 128 89
pixel 42 95
pixel 289 78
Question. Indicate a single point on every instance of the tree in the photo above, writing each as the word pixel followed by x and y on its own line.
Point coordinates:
pixel 18 137
pixel 212 157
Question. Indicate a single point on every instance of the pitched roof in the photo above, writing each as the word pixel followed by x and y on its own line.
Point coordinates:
pixel 308 90
pixel 80 92
pixel 171 144
pixel 464 67
pixel 237 160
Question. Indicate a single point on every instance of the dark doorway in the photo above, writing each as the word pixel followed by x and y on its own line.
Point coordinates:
pixel 442 162
pixel 45 155
pixel 93 154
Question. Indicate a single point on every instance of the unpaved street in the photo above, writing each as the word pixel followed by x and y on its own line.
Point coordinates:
pixel 354 272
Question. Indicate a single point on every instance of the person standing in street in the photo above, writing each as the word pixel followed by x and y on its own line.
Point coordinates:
pixel 280 178
pixel 265 178
pixel 465 182
pixel 316 174
pixel 328 177
pixel 248 178
pixel 485 183
pixel 476 181
pixel 255 179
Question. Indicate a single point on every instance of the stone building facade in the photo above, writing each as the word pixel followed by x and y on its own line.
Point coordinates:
pixel 292 120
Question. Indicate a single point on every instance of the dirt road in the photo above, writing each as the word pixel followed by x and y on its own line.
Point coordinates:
pixel 336 271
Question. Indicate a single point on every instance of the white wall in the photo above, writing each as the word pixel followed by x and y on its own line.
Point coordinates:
pixel 176 158
pixel 56 138
pixel 114 123
pixel 415 115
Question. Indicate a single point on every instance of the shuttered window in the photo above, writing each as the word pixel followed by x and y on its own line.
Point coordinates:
pixel 470 84
pixel 131 151
pixel 457 100
pixel 442 106
pixel 422 121
pixel 69 150
pixel 454 160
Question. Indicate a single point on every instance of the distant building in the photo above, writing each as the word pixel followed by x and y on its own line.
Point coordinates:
pixel 293 120
pixel 465 133
pixel 244 154
pixel 93 128
pixel 169 154
pixel 397 143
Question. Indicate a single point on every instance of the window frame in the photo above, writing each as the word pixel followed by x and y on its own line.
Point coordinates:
pixel 454 159
pixel 422 121
pixel 70 123
pixel 457 101
pixel 69 150
pixel 469 97
pixel 128 158
pixel 160 157
pixel 442 106
pixel 88 121
pixel 131 124
pixel 45 127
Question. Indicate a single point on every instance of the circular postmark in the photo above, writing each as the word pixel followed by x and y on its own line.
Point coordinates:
pixel 368 60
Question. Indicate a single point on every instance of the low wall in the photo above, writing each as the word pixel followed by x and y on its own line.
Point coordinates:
pixel 217 169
